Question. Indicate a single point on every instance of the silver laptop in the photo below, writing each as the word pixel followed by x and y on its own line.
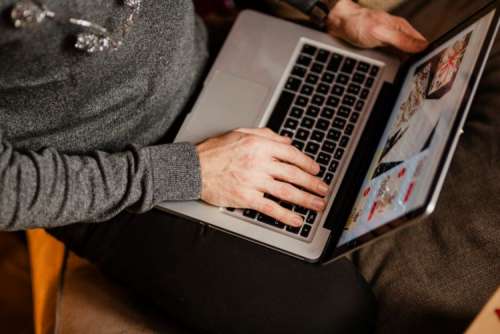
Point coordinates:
pixel 382 130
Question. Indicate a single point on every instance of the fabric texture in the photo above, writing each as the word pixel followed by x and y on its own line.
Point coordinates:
pixel 75 129
pixel 435 276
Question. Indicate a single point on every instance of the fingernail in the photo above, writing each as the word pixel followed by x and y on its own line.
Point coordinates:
pixel 297 221
pixel 323 188
pixel 319 204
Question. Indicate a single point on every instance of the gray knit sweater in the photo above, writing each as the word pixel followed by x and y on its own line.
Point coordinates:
pixel 76 130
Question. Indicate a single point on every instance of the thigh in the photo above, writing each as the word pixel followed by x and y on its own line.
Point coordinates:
pixel 217 283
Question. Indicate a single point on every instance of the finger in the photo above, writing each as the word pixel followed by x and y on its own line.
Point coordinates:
pixel 276 211
pixel 293 155
pixel 398 39
pixel 407 28
pixel 291 194
pixel 297 176
pixel 266 133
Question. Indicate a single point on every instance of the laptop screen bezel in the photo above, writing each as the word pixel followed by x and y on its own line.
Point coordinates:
pixel 332 251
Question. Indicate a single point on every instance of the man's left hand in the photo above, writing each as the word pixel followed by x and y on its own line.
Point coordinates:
pixel 368 28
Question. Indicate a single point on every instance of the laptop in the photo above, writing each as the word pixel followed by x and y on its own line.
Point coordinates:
pixel 383 130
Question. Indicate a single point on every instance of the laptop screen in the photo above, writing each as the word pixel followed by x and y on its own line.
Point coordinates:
pixel 401 174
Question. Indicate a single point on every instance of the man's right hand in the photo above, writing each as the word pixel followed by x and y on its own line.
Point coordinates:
pixel 239 167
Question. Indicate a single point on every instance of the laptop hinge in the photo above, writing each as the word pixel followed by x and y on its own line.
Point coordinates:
pixel 360 163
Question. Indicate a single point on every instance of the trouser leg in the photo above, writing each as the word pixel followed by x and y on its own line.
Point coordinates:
pixel 217 283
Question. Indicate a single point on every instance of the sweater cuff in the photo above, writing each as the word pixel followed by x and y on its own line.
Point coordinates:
pixel 176 172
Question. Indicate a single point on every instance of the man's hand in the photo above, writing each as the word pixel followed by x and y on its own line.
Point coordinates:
pixel 369 28
pixel 238 168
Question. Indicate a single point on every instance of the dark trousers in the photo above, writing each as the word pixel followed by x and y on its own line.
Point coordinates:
pixel 216 283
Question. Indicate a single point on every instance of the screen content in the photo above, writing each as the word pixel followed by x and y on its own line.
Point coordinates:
pixel 400 176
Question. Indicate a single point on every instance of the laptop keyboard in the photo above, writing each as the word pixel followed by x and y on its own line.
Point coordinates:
pixel 319 108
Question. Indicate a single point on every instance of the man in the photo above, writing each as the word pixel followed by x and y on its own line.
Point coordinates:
pixel 79 144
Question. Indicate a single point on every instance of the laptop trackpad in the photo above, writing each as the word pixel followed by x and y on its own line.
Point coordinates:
pixel 227 102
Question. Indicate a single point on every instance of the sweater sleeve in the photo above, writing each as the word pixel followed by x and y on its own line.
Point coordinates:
pixel 50 189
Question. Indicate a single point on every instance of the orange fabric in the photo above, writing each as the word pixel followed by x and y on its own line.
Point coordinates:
pixel 46 258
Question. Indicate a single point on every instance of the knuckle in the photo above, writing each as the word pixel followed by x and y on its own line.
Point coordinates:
pixel 268 208
pixel 284 191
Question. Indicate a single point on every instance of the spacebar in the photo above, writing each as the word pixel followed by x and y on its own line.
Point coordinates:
pixel 280 110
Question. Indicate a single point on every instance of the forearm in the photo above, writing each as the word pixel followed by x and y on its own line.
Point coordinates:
pixel 49 189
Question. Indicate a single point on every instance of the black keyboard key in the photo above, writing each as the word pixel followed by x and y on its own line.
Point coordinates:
pixel 364 93
pixel 265 219
pixel 328 178
pixel 349 129
pixel 307 90
pixel 344 111
pixel 317 68
pixel 293 229
pixel 354 117
pixel 302 134
pixel 250 213
pixel 349 100
pixel 328 77
pixel 286 133
pixel 374 70
pixel 358 78
pixel 327 113
pixel 312 79
pixel 332 101
pixel 296 112
pixel 338 90
pixel 318 100
pixel 306 229
pixel 313 111
pixel 339 123
pixel 311 217
pixel 354 89
pixel 286 205
pixel 322 56
pixel 348 66
pixel 334 63
pixel 359 105
pixel 334 135
pixel 307 123
pixel 333 166
pixel 283 104
pixel 299 71
pixel 230 209
pixel 317 136
pixel 293 84
pixel 301 210
pixel 291 123
pixel 301 101
pixel 328 146
pixel 298 144
pixel 369 82
pixel 323 159
pixel 322 171
pixel 309 49
pixel 339 154
pixel 322 124
pixel 304 60
pixel 323 88
pixel 343 141
pixel 312 148
pixel 363 67
pixel 342 79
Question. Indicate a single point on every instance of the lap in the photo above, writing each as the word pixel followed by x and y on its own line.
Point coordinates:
pixel 436 275
pixel 218 283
